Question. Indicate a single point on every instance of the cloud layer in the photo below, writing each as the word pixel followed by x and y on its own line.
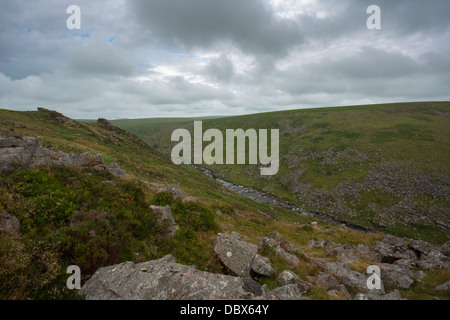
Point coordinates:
pixel 149 58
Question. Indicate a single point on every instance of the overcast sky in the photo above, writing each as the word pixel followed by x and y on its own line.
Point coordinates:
pixel 153 58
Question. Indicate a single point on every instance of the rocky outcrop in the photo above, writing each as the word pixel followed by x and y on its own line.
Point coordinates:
pixel 416 253
pixel 397 275
pixel 392 249
pixel 236 255
pixel 350 278
pixel 163 279
pixel 28 153
pixel 165 220
pixel 9 224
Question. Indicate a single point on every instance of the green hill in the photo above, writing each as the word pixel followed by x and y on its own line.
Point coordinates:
pixel 381 166
pixel 92 219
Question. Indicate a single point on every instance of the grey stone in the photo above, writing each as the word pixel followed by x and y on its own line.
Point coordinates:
pixel 291 259
pixel 27 152
pixel 164 218
pixel 287 292
pixel 327 282
pixel 268 242
pixel 397 275
pixel 261 267
pixel 342 252
pixel 288 277
pixel 116 170
pixel 163 279
pixel 350 278
pixel 392 249
pixel 236 255
pixel 445 286
pixel 9 224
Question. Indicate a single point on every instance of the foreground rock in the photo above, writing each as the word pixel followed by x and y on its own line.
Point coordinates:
pixel 236 255
pixel 163 279
pixel 27 152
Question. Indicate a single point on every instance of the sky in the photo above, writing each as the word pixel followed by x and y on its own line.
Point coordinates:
pixel 183 58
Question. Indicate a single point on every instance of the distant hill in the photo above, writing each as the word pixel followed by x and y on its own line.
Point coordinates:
pixel 382 166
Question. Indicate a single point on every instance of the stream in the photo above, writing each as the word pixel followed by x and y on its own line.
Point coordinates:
pixel 270 199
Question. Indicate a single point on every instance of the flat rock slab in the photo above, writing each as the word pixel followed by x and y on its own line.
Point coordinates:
pixel 163 279
pixel 236 255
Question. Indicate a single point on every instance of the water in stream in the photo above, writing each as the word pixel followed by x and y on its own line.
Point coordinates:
pixel 270 199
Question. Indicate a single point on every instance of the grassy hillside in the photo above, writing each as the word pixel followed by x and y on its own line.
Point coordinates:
pixel 381 166
pixel 92 219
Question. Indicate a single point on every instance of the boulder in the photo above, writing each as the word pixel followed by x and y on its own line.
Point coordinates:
pixel 291 259
pixel 164 218
pixel 9 224
pixel 445 286
pixel 27 152
pixel 236 255
pixel 115 170
pixel 392 249
pixel 268 242
pixel 262 267
pixel 164 279
pixel 396 275
pixel 350 278
pixel 327 282
pixel 342 252
pixel 288 277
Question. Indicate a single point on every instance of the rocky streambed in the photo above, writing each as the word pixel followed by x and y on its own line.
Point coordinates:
pixel 270 199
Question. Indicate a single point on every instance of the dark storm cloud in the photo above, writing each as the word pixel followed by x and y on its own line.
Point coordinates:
pixel 249 24
pixel 137 58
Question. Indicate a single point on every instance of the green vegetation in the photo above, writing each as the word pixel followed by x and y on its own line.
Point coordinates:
pixel 92 219
pixel 381 166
